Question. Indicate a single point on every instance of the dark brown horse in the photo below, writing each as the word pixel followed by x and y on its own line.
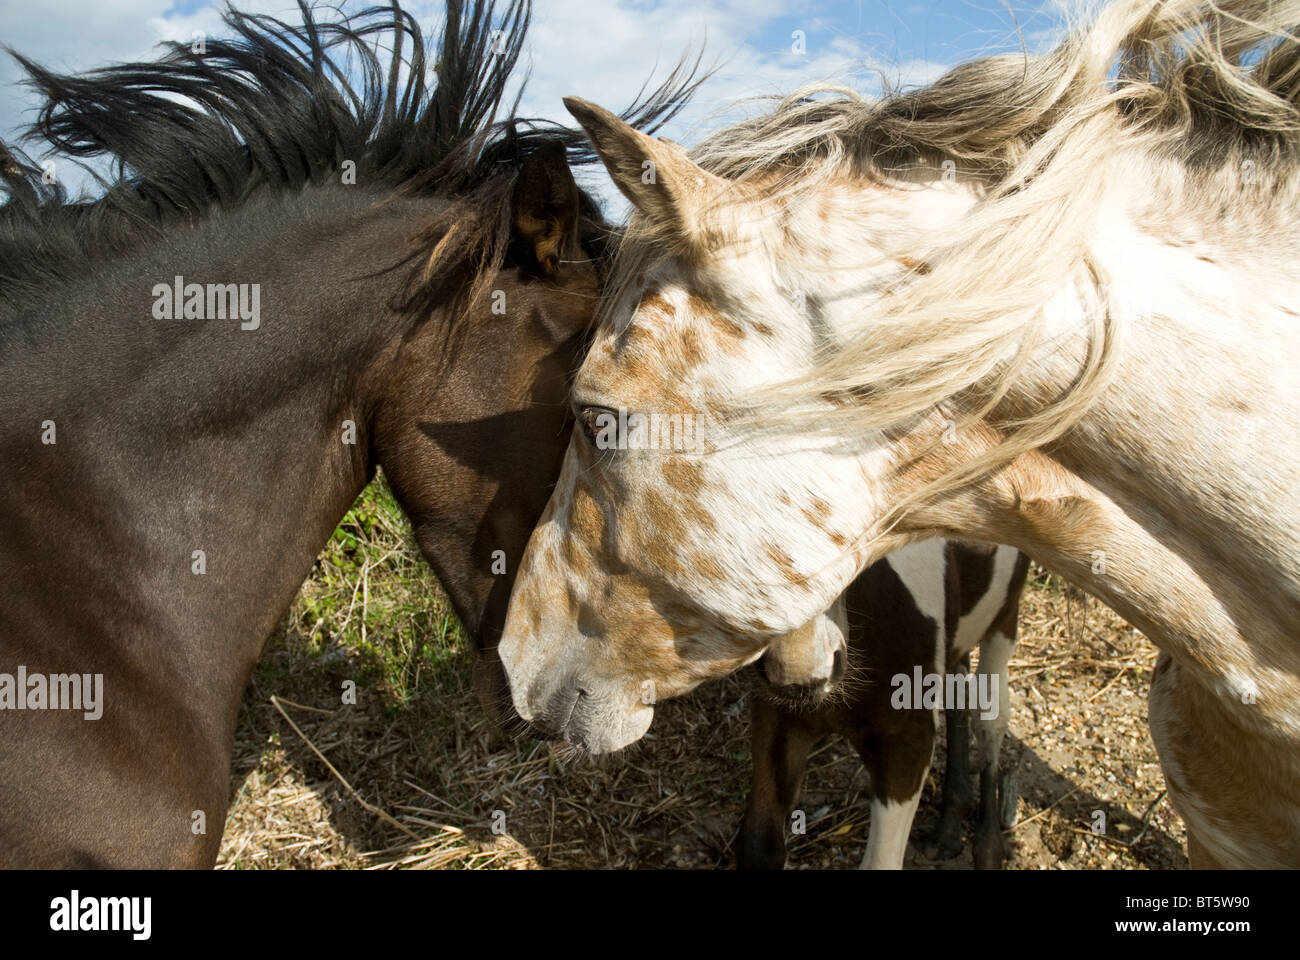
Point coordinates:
pixel 309 266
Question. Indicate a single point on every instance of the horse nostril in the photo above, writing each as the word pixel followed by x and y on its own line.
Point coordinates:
pixel 837 666
pixel 551 722
pixel 542 730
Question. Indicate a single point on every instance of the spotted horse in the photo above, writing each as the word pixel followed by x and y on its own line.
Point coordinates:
pixel 1045 301
pixel 922 608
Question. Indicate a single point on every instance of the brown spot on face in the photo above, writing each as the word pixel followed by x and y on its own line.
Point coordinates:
pixel 692 348
pixel 534 612
pixel 708 566
pixel 730 332
pixel 657 303
pixel 575 557
pixel 705 310
pixel 916 266
pixel 687 478
pixel 586 520
pixel 783 561
pixel 818 513
pixel 763 329
pixel 663 531
pixel 699 516
pixel 632 370
pixel 684 475
pixel 700 306
pixel 1229 400
pixel 586 529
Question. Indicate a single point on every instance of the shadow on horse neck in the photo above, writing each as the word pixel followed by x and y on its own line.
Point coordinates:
pixel 291 285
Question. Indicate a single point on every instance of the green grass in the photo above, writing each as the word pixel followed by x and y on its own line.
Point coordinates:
pixel 373 615
pixel 372 594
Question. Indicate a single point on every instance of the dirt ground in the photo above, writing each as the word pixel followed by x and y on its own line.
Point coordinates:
pixel 412 775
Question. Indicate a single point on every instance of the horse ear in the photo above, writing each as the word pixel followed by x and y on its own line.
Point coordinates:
pixel 655 175
pixel 546 205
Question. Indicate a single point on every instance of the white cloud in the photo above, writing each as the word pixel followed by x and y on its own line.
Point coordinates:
pixel 73 35
pixel 604 51
pixel 70 36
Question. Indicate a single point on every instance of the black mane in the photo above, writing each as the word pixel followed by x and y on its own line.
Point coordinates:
pixel 279 107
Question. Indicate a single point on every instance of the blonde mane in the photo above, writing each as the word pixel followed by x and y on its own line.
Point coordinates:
pixel 1199 91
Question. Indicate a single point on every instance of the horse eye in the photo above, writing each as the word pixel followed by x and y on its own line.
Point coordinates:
pixel 599 426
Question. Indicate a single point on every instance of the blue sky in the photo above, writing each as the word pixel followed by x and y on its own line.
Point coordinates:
pixel 598 49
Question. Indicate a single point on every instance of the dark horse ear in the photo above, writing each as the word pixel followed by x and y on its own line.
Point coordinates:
pixel 546 206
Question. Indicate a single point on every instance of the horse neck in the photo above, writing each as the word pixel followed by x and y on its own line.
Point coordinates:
pixel 178 436
pixel 1174 498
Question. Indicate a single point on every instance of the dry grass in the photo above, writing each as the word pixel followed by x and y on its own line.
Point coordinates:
pixel 411 775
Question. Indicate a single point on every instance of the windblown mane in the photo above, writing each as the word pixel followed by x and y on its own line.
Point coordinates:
pixel 280 107
pixel 1199 92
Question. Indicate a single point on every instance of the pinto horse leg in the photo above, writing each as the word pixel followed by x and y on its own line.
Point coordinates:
pixel 779 742
pixel 995 652
pixel 897 758
pixel 891 825
pixel 945 842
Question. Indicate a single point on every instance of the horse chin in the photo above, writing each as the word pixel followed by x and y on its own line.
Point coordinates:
pixel 601 732
pixel 800 697
pixel 801 669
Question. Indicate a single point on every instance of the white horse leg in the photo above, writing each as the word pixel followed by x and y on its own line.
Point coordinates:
pixel 891 824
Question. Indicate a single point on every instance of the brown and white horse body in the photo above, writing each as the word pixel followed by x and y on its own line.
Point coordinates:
pixel 921 610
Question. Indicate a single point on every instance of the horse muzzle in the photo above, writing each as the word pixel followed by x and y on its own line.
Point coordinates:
pixel 803 667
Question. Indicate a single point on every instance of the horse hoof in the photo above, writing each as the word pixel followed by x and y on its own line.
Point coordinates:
pixel 760 849
pixel 941 845
pixel 989 854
